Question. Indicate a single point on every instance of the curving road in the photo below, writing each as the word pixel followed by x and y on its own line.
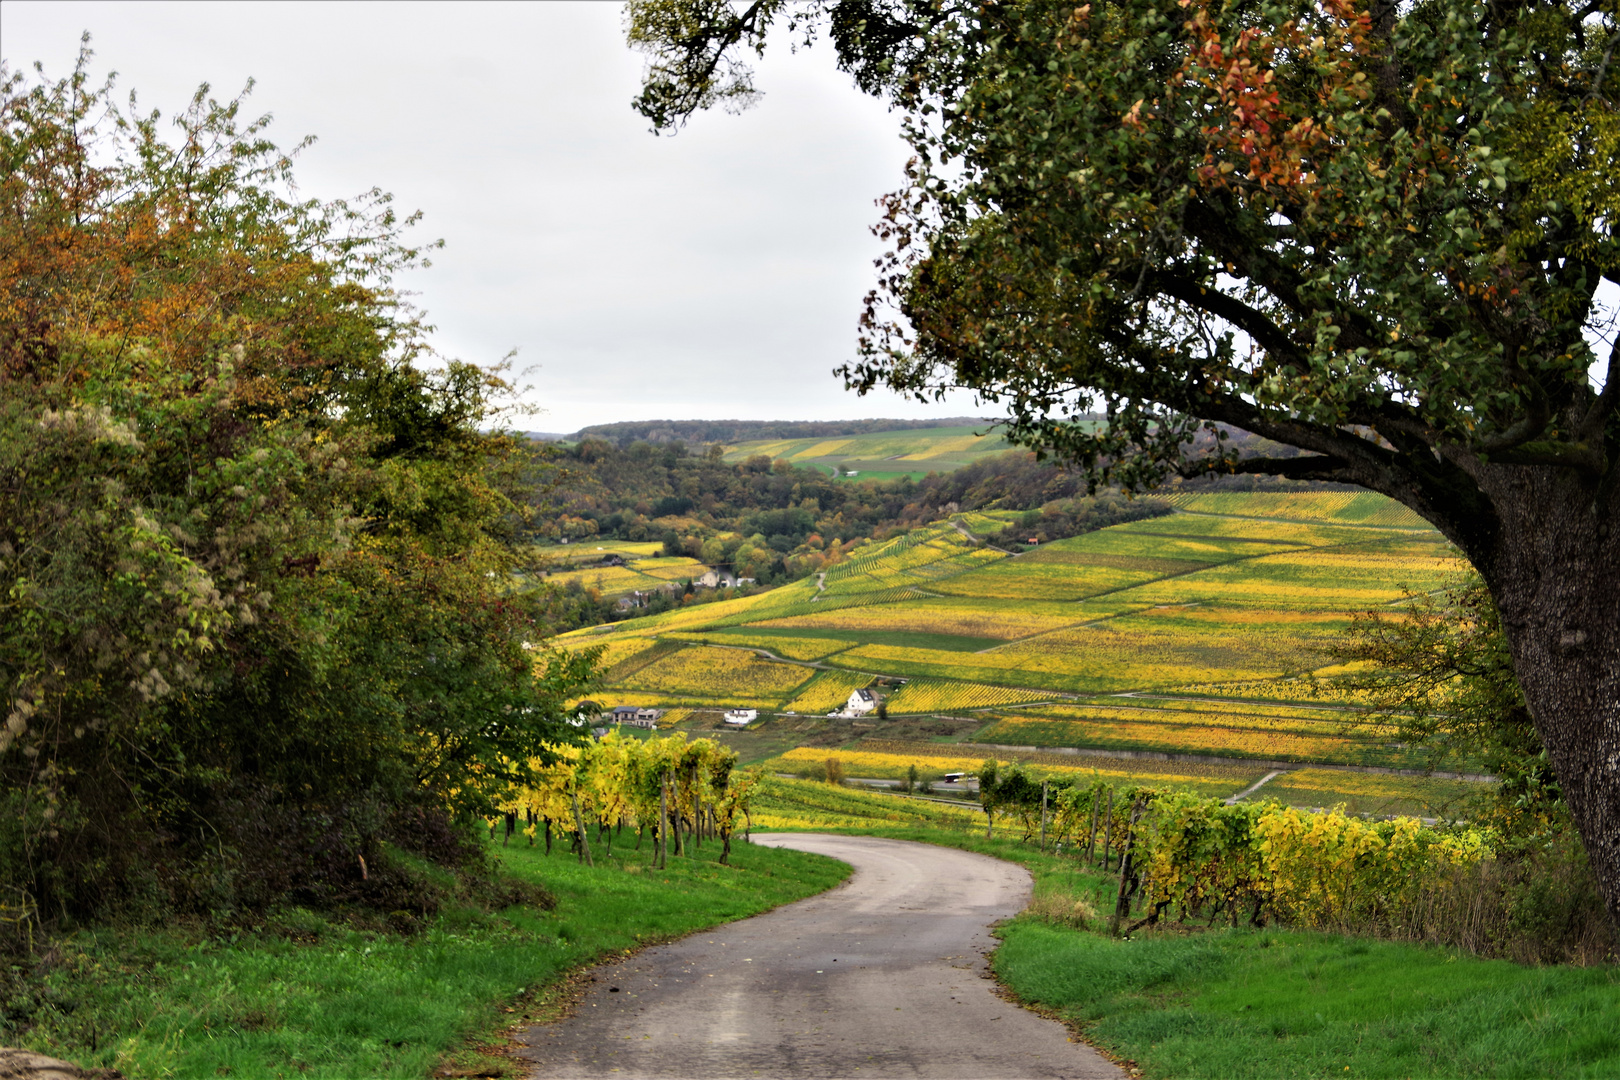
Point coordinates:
pixel 883 976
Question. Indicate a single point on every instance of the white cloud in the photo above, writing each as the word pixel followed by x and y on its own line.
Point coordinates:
pixel 718 273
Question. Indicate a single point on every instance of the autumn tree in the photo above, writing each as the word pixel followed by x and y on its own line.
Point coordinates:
pixel 1376 232
pixel 253 536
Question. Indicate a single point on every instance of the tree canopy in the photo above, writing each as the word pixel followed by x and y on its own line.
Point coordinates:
pixel 1373 231
pixel 253 535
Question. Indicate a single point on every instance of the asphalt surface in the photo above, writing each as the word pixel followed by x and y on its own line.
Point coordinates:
pixel 883 976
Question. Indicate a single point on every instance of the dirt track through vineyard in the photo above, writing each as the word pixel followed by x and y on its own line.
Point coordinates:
pixel 883 976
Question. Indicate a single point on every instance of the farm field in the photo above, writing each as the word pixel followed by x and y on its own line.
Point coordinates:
pixel 1371 793
pixel 882 455
pixel 890 761
pixel 645 568
pixel 1230 729
pixel 1213 619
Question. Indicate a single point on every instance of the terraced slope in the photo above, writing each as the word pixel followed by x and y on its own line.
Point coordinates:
pixel 1208 619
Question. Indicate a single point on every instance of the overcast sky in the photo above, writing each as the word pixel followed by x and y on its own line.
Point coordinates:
pixel 715 274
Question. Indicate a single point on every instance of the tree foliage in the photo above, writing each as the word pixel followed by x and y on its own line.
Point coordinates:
pixel 253 537
pixel 1440 678
pixel 1372 231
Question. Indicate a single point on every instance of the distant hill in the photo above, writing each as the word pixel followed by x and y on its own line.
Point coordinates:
pixel 883 455
pixel 735 431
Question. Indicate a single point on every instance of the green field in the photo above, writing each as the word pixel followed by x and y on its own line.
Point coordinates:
pixel 1208 618
pixel 882 455
pixel 645 567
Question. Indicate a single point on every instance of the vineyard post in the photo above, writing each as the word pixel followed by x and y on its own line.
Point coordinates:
pixel 1126 859
pixel 579 826
pixel 697 808
pixel 1108 825
pixel 1043 815
pixel 661 848
pixel 678 820
pixel 1091 843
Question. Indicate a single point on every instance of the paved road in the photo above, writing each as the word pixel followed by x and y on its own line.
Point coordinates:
pixel 881 977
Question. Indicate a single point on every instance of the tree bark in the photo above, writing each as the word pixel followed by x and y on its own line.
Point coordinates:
pixel 1553 567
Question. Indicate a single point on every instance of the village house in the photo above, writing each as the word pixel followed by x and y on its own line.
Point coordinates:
pixel 632 716
pixel 861 702
pixel 716 579
pixel 741 717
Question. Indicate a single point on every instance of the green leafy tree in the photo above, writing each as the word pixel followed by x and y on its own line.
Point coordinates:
pixel 1372 232
pixel 1440 677
pixel 253 615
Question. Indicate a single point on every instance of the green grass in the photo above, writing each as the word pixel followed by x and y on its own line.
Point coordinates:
pixel 303 996
pixel 1269 1004
pixel 1263 1004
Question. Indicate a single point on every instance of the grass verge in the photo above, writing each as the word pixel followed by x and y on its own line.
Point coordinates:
pixel 302 996
pixel 1264 1004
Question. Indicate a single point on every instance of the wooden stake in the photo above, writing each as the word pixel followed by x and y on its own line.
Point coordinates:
pixel 1123 900
pixel 1108 830
pixel 579 826
pixel 1043 815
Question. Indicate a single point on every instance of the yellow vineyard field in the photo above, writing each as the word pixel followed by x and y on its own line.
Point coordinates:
pixel 866 763
pixel 790 648
pixel 609 579
pixel 1231 599
pixel 801 804
pixel 929 616
pixel 1372 793
pixel 1197 735
pixel 829 690
pixel 942 695
pixel 1339 579
pixel 672 717
pixel 1214 772
pixel 1033 580
pixel 1358 507
pixel 718 674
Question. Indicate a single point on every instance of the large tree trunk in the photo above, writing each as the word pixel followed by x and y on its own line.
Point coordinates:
pixel 1553 567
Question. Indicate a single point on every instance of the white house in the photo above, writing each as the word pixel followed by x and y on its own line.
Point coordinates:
pixel 741 717
pixel 716 579
pixel 861 702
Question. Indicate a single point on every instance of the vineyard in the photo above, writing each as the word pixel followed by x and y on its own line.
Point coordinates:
pixel 676 790
pixel 829 690
pixel 1372 793
pixel 707 672
pixel 885 454
pixel 1359 507
pixel 801 804
pixel 1225 606
pixel 935 760
pixel 1177 855
pixel 1225 729
pixel 941 695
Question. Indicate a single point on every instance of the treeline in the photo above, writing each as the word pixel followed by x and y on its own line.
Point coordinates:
pixel 703 432
pixel 252 634
pixel 774 522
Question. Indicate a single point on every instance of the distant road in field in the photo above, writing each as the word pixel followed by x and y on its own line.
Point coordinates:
pixel 883 976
